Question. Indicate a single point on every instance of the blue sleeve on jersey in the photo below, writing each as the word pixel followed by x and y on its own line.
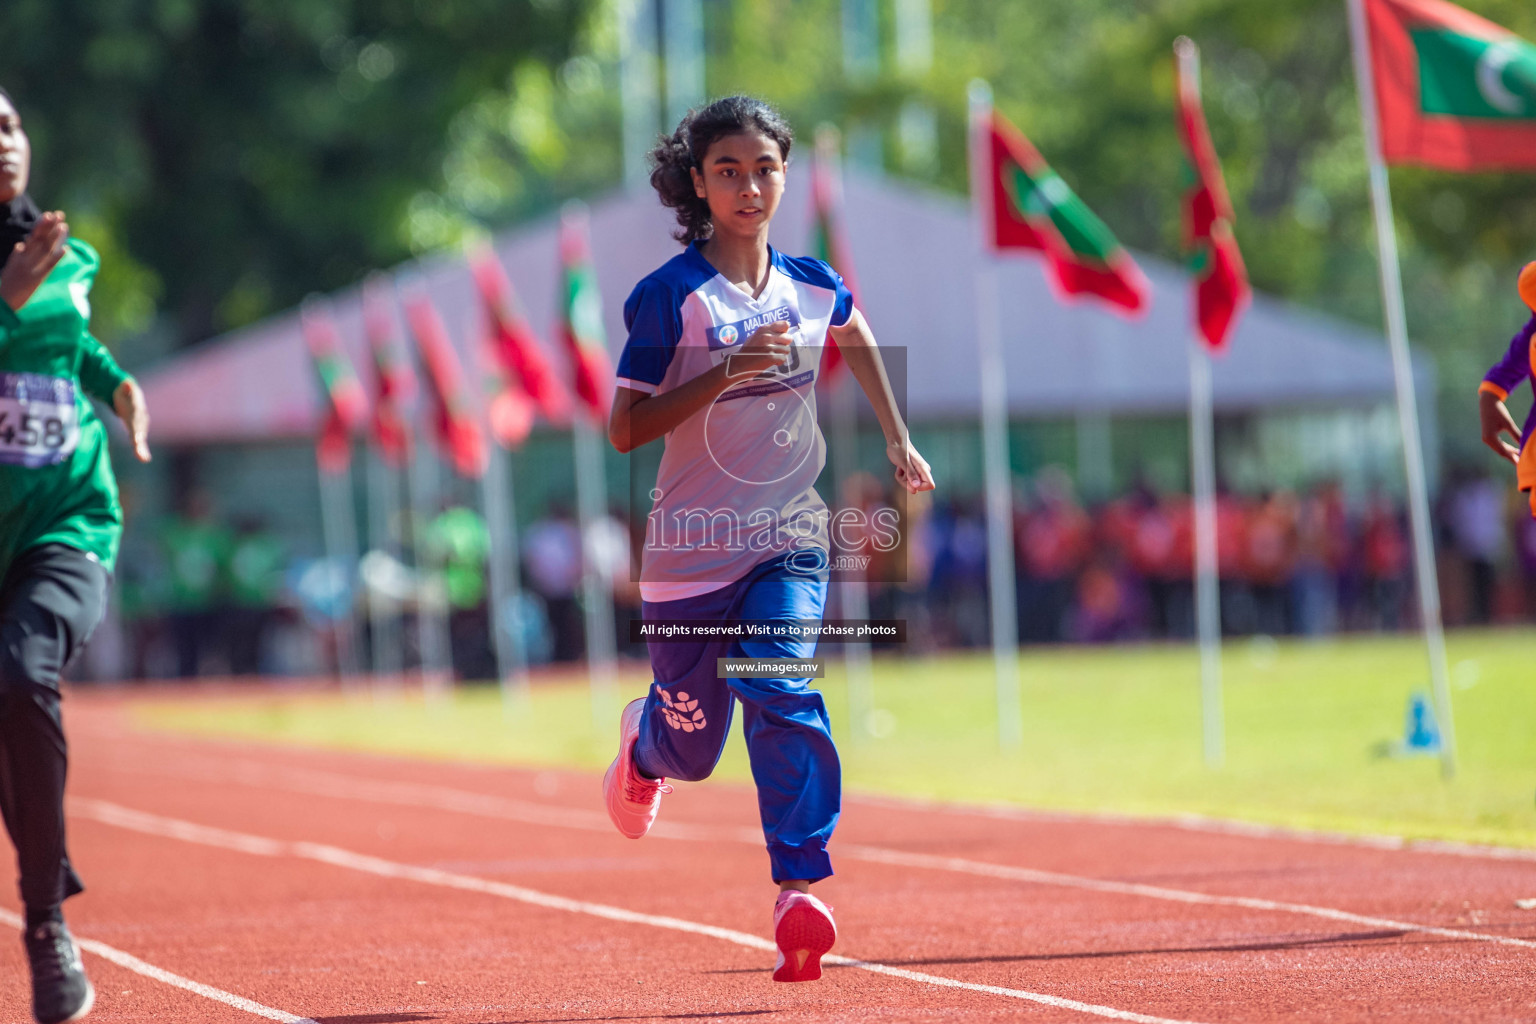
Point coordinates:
pixel 819 274
pixel 655 323
pixel 842 306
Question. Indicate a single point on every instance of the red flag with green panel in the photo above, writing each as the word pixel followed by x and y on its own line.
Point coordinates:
pixel 453 421
pixel 1221 281
pixel 345 402
pixel 581 317
pixel 1453 90
pixel 517 350
pixel 1033 208
pixel 393 381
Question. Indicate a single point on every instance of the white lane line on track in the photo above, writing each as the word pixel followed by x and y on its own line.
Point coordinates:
pixel 312 782
pixel 1205 824
pixel 1007 812
pixel 160 974
pixel 901 858
pixel 123 817
pixel 337 786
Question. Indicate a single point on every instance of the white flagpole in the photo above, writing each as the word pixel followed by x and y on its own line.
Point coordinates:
pixel 431 594
pixel 860 26
pixel 383 492
pixel 639 88
pixel 591 517
pixel 683 48
pixel 341 549
pixel 844 398
pixel 400 513
pixel 1407 402
pixel 1202 461
pixel 501 518
pixel 994 437
pixel 596 590
pixel 433 640
pixel 1202 444
pixel 854 588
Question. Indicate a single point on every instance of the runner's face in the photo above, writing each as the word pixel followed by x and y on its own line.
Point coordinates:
pixel 15 153
pixel 742 179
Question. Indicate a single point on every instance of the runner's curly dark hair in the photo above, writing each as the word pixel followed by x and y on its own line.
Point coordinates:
pixel 678 153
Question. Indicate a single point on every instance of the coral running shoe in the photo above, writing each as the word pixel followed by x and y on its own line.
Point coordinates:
pixel 633 799
pixel 804 931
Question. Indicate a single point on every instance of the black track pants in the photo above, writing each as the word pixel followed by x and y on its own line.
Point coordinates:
pixel 50 599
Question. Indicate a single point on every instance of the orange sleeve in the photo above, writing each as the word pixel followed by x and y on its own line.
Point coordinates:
pixel 1488 387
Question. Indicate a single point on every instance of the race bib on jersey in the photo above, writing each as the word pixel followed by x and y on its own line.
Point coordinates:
pixel 724 339
pixel 39 420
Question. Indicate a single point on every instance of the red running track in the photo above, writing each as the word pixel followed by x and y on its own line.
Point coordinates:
pixel 296 885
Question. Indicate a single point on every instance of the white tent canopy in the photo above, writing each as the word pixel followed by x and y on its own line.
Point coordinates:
pixel 914 255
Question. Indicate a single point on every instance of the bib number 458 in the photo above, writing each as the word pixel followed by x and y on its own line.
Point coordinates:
pixel 28 431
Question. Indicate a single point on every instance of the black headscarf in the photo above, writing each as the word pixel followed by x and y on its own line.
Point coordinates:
pixel 17 217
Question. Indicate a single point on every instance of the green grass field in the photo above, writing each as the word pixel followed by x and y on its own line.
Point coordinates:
pixel 1115 729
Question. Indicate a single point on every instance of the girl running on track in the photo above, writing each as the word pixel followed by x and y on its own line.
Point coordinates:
pixel 60 523
pixel 1518 364
pixel 721 359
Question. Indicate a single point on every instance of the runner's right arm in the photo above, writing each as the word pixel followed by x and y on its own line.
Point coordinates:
pixel 639 418
pixel 32 261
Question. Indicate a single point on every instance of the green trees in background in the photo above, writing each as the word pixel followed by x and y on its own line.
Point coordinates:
pixel 229 156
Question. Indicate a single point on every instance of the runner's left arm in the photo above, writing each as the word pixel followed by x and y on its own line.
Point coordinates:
pixel 108 383
pixel 856 342
pixel 1508 372
pixel 1504 377
pixel 99 373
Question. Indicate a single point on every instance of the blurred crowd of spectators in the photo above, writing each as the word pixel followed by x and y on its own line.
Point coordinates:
pixel 205 595
pixel 1309 563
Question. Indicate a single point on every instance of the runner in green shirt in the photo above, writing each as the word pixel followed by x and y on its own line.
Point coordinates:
pixel 60 523
pixel 254 572
pixel 463 543
pixel 196 548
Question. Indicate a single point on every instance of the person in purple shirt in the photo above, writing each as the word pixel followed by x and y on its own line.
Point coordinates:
pixel 1518 364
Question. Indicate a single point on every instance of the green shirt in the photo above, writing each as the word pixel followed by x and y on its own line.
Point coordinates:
pixel 463 542
pixel 56 483
pixel 255 568
pixel 196 553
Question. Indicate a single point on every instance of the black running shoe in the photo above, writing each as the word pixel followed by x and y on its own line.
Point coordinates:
pixel 60 991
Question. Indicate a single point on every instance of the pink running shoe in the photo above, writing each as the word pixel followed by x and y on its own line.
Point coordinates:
pixel 804 931
pixel 633 799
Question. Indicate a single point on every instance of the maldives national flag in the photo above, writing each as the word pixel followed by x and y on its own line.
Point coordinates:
pixel 346 404
pixel 1221 281
pixel 1032 208
pixel 1453 90
pixel 512 340
pixel 828 243
pixel 581 317
pixel 393 381
pixel 453 421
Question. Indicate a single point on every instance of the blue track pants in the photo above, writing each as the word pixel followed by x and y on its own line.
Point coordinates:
pixel 789 737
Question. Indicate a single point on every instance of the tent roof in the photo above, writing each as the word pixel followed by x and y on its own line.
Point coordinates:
pixel 915 260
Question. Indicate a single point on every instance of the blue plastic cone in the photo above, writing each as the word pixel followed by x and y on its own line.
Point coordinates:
pixel 1422 735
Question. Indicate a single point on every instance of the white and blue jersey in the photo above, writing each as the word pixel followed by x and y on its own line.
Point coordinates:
pixel 736 483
